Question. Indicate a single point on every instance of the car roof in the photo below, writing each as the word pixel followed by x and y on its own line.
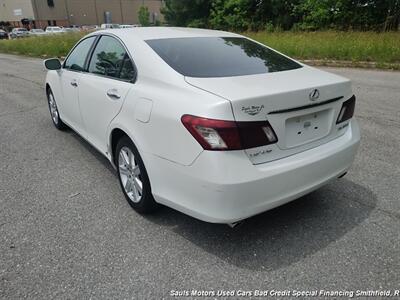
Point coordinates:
pixel 146 60
pixel 150 33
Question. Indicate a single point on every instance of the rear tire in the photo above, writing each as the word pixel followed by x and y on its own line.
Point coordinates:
pixel 54 113
pixel 133 178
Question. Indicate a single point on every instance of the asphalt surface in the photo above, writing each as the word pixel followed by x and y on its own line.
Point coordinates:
pixel 66 230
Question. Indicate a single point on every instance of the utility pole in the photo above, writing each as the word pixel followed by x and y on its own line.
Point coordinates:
pixel 122 14
pixel 36 13
pixel 67 10
pixel 97 15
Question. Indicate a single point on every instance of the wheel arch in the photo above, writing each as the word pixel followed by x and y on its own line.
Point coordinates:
pixel 115 135
pixel 150 204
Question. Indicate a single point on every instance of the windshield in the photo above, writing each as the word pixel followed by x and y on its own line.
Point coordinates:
pixel 220 56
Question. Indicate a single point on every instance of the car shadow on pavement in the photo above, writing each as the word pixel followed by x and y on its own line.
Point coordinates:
pixel 276 238
pixel 284 235
pixel 100 157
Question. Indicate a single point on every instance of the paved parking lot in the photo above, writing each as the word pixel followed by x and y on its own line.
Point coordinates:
pixel 66 230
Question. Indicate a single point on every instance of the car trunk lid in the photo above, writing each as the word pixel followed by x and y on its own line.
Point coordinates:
pixel 301 105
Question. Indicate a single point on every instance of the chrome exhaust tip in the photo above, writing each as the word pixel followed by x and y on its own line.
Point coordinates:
pixel 235 224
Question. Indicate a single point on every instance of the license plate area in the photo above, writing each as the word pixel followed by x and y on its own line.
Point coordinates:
pixel 303 129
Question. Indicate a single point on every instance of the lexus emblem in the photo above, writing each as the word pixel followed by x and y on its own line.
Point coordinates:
pixel 314 95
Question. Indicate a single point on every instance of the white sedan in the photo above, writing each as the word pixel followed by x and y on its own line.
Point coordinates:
pixel 53 29
pixel 37 32
pixel 210 123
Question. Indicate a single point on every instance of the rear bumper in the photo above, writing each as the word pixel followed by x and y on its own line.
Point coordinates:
pixel 224 187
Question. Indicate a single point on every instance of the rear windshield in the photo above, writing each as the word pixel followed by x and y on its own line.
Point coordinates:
pixel 219 56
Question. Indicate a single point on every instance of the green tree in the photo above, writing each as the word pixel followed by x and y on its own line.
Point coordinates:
pixel 241 15
pixel 194 13
pixel 278 13
pixel 253 14
pixel 144 16
pixel 349 14
pixel 231 14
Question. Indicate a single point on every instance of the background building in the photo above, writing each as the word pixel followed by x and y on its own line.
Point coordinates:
pixel 42 13
pixel 14 11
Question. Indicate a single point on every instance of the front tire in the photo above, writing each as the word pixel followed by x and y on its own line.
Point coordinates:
pixel 133 177
pixel 54 113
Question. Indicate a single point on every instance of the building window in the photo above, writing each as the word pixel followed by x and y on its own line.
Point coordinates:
pixel 50 3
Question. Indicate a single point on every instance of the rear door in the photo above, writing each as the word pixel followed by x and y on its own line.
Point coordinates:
pixel 103 88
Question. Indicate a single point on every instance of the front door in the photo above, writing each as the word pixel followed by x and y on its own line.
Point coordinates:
pixel 71 74
pixel 69 106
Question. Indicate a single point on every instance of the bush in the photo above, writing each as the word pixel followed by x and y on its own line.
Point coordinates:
pixel 42 46
pixel 144 16
pixel 335 45
pixel 269 27
pixel 230 15
pixel 382 48
pixel 199 23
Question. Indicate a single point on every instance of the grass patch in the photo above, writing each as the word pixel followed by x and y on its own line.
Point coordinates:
pixel 41 46
pixel 369 49
pixel 380 48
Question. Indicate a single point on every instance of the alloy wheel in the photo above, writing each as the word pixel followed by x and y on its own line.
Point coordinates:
pixel 53 109
pixel 129 173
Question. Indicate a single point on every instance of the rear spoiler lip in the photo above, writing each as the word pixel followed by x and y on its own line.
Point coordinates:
pixel 305 106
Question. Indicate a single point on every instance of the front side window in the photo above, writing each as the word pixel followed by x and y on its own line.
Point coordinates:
pixel 220 56
pixel 108 58
pixel 76 60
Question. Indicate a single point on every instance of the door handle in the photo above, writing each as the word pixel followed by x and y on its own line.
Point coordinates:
pixel 74 83
pixel 113 94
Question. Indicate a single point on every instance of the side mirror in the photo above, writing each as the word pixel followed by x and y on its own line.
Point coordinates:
pixel 52 64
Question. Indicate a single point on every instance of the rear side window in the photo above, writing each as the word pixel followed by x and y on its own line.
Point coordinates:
pixel 110 59
pixel 127 69
pixel 220 56
pixel 76 60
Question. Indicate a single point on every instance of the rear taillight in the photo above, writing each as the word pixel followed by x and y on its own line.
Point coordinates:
pixel 347 110
pixel 229 135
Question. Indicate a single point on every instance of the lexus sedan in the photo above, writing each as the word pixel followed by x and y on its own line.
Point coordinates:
pixel 210 123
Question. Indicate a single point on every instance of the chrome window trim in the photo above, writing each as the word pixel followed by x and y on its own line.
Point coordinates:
pixel 73 48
